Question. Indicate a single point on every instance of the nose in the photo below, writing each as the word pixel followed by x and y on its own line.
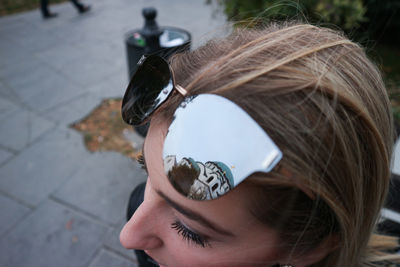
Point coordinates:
pixel 141 231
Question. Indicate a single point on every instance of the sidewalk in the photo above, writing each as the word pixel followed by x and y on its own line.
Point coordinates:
pixel 60 204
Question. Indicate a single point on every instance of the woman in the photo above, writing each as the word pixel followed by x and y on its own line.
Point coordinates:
pixel 305 190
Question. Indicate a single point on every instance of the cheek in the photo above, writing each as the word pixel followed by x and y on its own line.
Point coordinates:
pixel 183 256
pixel 250 252
pixel 180 253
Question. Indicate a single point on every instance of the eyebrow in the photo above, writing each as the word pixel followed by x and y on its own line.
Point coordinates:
pixel 194 215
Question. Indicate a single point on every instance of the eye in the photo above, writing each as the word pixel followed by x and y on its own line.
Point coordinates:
pixel 189 235
pixel 140 159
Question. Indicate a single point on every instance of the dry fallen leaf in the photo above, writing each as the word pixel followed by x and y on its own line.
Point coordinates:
pixel 68 225
pixel 104 130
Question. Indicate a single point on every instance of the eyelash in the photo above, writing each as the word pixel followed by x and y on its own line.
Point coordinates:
pixel 178 226
pixel 140 159
pixel 189 235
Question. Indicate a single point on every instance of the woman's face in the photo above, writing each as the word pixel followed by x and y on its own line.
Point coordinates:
pixel 176 231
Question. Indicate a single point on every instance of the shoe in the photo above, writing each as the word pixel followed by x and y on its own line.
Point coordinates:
pixel 84 9
pixel 50 15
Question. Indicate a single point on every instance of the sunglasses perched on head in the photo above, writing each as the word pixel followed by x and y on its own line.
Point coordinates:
pixel 212 144
pixel 150 86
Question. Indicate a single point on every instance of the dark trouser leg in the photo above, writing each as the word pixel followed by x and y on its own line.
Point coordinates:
pixel 135 200
pixel 44 8
pixel 77 4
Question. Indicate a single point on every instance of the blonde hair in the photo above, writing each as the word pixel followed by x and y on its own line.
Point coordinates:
pixel 324 104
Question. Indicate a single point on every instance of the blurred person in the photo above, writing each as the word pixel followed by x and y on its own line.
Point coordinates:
pixel 270 147
pixel 47 14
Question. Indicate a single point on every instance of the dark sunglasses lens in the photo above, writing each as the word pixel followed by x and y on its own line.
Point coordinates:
pixel 142 96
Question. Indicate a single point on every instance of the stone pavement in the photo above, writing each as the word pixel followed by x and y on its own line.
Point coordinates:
pixel 60 204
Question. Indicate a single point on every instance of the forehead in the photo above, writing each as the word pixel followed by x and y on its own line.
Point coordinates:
pixel 220 209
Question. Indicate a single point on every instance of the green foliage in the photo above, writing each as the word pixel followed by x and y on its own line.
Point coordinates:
pixel 346 14
pixel 394 95
pixel 369 22
pixel 383 23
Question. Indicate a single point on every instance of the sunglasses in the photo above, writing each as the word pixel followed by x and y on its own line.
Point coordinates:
pixel 212 144
pixel 150 86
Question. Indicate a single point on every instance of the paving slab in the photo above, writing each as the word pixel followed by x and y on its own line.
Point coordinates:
pixel 53 235
pixel 6 21
pixel 12 213
pixel 92 27
pixel 89 70
pixel 21 34
pixel 54 72
pixel 55 56
pixel 23 16
pixel 112 242
pixel 112 51
pixel 72 111
pixel 11 53
pixel 112 87
pixel 7 108
pixel 108 258
pixel 20 73
pixel 21 128
pixel 55 66
pixel 44 87
pixel 54 96
pixel 40 169
pixel 29 79
pixel 6 92
pixel 5 155
pixel 102 186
